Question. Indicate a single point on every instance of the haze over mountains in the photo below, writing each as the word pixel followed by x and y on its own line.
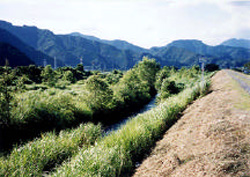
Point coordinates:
pixel 38 44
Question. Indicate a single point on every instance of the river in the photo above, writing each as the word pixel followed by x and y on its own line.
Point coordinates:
pixel 147 107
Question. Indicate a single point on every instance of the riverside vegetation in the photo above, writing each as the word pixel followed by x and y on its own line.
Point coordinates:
pixel 36 100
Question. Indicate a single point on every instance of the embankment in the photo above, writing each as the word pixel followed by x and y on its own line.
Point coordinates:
pixel 212 138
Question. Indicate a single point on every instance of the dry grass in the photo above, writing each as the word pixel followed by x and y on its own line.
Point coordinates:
pixel 211 139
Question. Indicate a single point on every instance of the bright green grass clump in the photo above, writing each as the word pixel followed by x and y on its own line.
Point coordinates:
pixel 52 105
pixel 117 153
pixel 42 154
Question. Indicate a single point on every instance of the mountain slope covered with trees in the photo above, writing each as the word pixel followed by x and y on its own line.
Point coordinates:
pixel 103 54
pixel 36 56
pixel 13 55
pixel 245 43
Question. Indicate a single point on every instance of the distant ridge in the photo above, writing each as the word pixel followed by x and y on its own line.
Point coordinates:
pixel 225 56
pixel 120 44
pixel 245 43
pixel 69 49
pixel 104 54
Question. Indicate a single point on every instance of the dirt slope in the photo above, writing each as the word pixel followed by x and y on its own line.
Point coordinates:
pixel 211 139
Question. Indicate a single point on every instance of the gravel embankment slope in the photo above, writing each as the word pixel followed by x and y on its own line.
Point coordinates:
pixel 212 138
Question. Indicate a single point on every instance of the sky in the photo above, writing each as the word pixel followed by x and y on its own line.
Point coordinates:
pixel 145 23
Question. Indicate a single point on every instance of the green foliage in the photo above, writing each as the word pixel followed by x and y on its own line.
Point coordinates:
pixel 168 88
pixel 105 95
pixel 211 67
pixel 6 80
pixel 61 84
pixel 114 77
pixel 49 109
pixel 48 75
pixel 117 153
pixel 78 73
pixel 160 76
pixel 68 76
pixel 80 68
pixel 43 154
pixel 20 85
pixel 100 95
pixel 32 72
pixel 247 65
pixel 132 90
pixel 147 70
pixel 172 81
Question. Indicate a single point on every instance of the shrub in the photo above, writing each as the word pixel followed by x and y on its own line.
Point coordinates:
pixel 6 80
pixel 100 95
pixel 147 70
pixel 211 67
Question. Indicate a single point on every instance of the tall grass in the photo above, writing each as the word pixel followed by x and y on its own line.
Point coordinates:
pixel 52 105
pixel 42 154
pixel 117 153
pixel 39 111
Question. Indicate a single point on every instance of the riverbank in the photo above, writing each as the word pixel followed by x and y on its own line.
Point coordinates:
pixel 211 138
pixel 118 153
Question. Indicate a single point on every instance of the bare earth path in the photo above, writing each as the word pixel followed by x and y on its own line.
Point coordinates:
pixel 211 139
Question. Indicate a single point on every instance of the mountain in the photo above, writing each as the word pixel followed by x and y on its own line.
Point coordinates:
pixel 13 55
pixel 245 43
pixel 92 38
pixel 195 46
pixel 36 56
pixel 174 56
pixel 103 54
pixel 225 56
pixel 69 49
pixel 119 44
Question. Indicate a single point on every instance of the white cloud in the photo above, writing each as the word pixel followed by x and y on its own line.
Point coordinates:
pixel 143 22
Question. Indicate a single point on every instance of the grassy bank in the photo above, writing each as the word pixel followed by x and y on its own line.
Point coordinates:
pixel 40 111
pixel 117 153
pixel 42 154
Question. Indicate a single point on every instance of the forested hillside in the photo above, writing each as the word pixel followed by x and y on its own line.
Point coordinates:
pixel 69 49
pixel 224 56
pixel 36 56
pixel 103 54
pixel 13 55
pixel 245 43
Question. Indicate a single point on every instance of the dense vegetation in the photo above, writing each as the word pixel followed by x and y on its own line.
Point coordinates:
pixel 42 99
pixel 116 154
pixel 37 103
pixel 247 65
pixel 42 154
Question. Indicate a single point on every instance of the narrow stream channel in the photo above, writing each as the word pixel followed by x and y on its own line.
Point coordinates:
pixel 116 126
